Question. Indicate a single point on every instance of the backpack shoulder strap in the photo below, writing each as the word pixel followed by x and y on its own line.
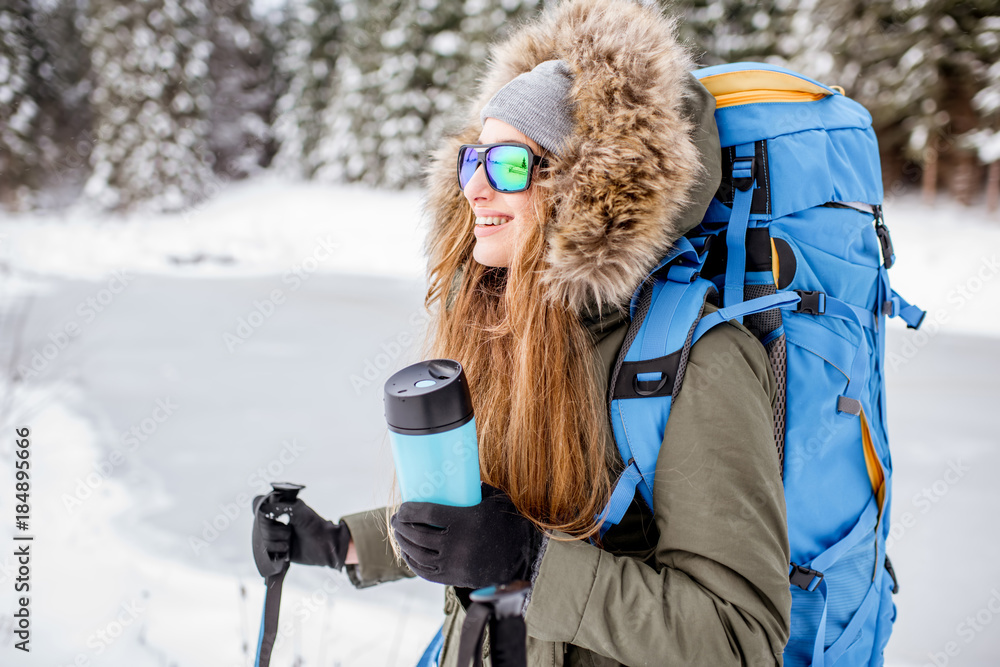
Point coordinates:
pixel 664 311
pixel 650 366
pixel 666 322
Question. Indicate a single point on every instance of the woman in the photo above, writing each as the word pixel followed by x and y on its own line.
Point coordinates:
pixel 533 260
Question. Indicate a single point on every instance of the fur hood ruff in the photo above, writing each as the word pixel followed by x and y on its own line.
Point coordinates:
pixel 626 183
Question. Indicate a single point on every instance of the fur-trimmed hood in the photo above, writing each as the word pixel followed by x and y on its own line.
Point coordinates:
pixel 639 169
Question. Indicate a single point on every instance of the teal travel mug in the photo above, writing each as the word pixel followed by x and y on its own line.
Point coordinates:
pixel 428 408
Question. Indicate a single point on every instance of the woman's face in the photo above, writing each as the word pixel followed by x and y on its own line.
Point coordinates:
pixel 495 244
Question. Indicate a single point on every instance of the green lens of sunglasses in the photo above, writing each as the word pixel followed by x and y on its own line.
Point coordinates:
pixel 508 167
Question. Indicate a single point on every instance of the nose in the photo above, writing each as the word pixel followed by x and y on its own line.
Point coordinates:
pixel 478 188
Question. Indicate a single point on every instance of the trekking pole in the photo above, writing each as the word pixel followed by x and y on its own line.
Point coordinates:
pixel 500 607
pixel 283 493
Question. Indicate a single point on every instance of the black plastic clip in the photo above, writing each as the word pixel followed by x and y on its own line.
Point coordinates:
pixel 884 238
pixel 811 303
pixel 743 165
pixel 803 577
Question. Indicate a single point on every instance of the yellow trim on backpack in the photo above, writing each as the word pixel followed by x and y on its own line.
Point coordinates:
pixel 775 264
pixel 875 473
pixel 750 86
pixel 754 96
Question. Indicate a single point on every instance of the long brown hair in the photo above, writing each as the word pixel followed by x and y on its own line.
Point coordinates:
pixel 530 361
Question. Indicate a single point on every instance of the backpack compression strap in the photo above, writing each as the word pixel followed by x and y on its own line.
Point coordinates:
pixel 744 169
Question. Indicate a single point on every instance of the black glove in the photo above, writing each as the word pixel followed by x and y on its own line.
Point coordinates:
pixel 469 547
pixel 308 538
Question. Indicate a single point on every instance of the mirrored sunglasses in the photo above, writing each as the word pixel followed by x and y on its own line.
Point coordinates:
pixel 508 165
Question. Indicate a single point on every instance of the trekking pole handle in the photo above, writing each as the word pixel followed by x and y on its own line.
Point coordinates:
pixel 285 492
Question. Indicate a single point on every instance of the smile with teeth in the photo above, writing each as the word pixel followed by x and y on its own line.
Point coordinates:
pixel 492 221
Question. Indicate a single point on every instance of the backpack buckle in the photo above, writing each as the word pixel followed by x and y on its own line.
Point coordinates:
pixel 803 577
pixel 811 303
pixel 884 239
pixel 744 169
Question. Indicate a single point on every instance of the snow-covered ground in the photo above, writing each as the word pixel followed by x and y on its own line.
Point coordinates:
pixel 174 364
pixel 946 254
pixel 101 596
pixel 149 437
pixel 267 226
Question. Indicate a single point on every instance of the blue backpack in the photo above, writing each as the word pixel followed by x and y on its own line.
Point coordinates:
pixel 795 247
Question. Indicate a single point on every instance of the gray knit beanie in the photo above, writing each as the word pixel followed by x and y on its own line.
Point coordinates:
pixel 538 104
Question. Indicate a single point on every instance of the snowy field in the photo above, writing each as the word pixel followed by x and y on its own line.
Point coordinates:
pixel 175 364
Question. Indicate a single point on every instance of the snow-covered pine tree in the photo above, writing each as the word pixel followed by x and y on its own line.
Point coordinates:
pixel 311 43
pixel 65 120
pixel 986 41
pixel 24 67
pixel 242 75
pixel 151 104
pixel 985 140
pixel 406 64
pixel 967 71
pixel 915 66
pixel 723 31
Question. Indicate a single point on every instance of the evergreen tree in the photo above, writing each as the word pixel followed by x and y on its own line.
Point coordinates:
pixel 24 68
pixel 914 65
pixel 311 42
pixel 926 69
pixel 406 64
pixel 986 41
pixel 151 104
pixel 723 31
pixel 65 141
pixel 243 82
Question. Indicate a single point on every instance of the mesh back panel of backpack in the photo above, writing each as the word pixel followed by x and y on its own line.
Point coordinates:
pixel 760 325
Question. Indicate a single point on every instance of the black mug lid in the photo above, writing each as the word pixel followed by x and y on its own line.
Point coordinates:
pixel 428 396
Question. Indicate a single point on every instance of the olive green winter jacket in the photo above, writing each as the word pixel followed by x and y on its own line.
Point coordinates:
pixel 703 579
